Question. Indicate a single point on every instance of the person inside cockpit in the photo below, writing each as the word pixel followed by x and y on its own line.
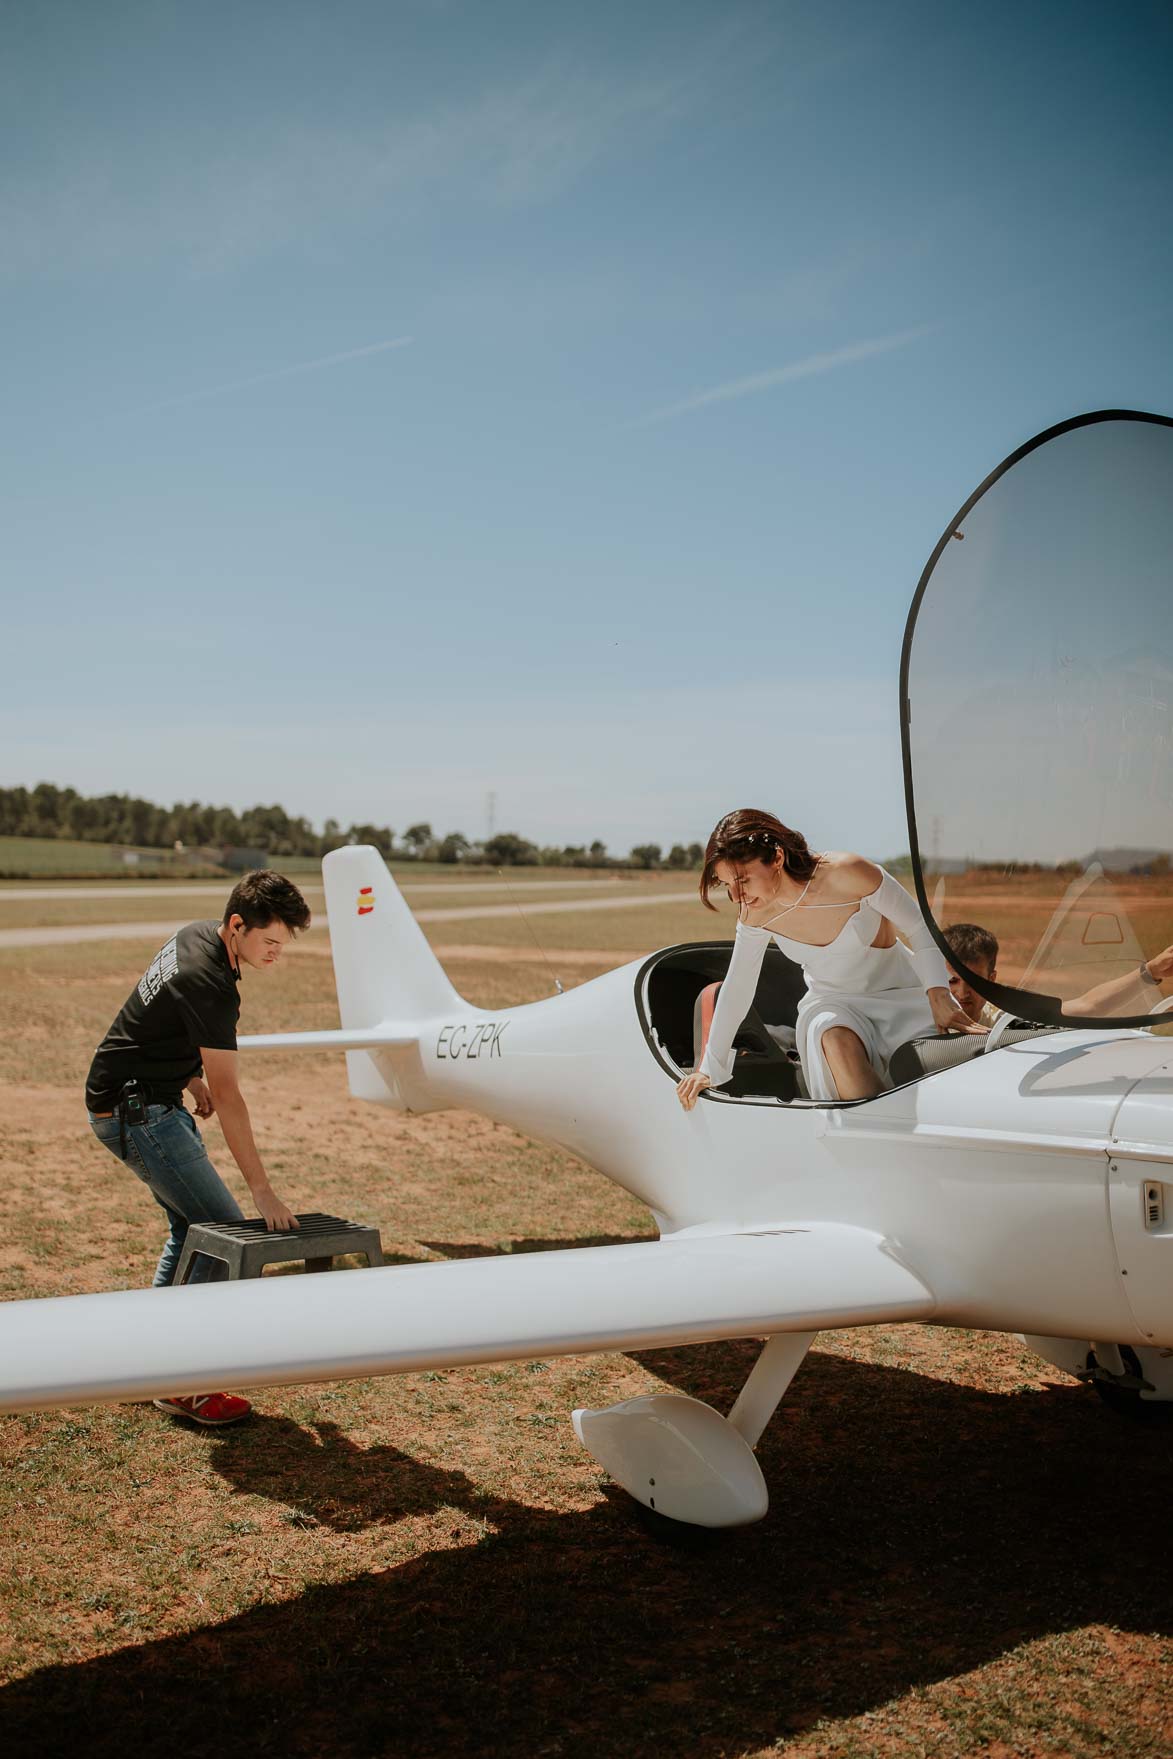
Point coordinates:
pixel 836 915
pixel 978 949
pixel 1136 992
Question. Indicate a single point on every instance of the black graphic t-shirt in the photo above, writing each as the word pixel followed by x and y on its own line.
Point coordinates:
pixel 187 997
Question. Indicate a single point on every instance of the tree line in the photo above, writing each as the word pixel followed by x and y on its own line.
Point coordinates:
pixel 49 811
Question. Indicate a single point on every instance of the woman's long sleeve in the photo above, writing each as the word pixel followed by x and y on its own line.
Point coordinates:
pixel 734 1001
pixel 903 912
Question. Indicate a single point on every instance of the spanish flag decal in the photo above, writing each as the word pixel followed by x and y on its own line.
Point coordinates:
pixel 366 900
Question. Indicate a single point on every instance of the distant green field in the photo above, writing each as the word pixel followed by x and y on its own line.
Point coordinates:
pixel 59 858
pixel 63 858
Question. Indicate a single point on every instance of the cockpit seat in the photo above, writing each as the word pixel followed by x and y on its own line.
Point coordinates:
pixel 702 1020
pixel 929 1055
pixel 752 1035
pixel 767 1062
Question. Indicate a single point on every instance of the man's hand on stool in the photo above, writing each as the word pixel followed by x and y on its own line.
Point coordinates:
pixel 277 1216
pixel 220 1068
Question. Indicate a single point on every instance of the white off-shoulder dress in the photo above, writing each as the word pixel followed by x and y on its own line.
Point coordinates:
pixel 878 992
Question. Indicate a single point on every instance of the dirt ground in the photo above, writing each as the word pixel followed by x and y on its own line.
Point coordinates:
pixel 965 1552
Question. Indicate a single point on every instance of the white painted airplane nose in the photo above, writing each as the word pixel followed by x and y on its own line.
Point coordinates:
pixel 677 1456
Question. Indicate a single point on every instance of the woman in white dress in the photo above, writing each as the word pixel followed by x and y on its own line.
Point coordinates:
pixel 837 916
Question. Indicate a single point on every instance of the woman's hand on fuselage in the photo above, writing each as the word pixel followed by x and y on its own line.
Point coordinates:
pixel 947 1016
pixel 688 1089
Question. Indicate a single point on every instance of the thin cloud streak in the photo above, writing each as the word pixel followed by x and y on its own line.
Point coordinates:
pixel 283 372
pixel 216 206
pixel 785 375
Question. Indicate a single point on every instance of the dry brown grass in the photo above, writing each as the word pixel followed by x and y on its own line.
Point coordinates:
pixel 962 1555
pixel 1020 914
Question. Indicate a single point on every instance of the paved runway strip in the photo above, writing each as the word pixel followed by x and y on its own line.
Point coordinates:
pixel 159 931
pixel 200 889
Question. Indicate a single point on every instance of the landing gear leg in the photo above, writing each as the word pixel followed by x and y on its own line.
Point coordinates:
pixel 1116 1373
pixel 769 1380
pixel 1136 1381
pixel 683 1460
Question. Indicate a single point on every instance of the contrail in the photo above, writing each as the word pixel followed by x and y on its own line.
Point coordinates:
pixel 283 372
pixel 785 375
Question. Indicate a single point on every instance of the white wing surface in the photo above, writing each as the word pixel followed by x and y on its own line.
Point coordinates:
pixel 356 1038
pixel 84 1349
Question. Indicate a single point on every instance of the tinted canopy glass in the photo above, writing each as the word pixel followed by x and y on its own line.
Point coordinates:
pixel 1038 683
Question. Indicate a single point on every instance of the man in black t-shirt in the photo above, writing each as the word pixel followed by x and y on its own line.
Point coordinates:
pixel 176 1033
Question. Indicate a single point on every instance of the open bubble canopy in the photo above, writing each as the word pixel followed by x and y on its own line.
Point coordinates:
pixel 1037 699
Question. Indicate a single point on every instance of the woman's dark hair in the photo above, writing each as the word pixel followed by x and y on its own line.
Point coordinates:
pixel 747 835
pixel 263 896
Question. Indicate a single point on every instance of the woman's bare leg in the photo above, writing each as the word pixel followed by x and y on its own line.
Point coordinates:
pixel 848 1062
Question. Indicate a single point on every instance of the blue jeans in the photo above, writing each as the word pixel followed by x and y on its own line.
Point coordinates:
pixel 168 1155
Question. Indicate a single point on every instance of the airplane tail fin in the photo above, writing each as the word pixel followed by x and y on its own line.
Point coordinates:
pixel 390 984
pixel 384 968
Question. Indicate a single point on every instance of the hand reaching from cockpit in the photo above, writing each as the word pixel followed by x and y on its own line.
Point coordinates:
pixel 688 1089
pixel 947 1016
pixel 1136 992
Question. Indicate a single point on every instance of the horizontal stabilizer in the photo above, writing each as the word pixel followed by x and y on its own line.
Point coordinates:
pixel 141 1343
pixel 357 1038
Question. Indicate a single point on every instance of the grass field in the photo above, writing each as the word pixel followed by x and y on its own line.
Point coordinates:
pixel 62 858
pixel 59 907
pixel 430 1564
pixel 55 857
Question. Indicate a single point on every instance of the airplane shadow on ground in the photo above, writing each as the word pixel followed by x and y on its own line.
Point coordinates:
pixel 918 1529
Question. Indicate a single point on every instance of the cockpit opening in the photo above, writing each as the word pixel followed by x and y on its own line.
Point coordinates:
pixel 671 995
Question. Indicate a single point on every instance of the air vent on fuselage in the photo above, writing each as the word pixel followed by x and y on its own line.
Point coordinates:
pixel 1154 1205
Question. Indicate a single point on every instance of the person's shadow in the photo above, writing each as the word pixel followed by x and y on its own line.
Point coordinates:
pixel 917 1530
pixel 325 1479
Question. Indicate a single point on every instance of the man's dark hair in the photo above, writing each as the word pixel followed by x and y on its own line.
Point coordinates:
pixel 263 896
pixel 970 942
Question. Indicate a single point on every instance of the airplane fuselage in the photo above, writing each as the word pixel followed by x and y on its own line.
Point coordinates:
pixel 1020 1177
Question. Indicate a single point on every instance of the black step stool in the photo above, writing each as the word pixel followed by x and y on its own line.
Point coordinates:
pixel 245 1247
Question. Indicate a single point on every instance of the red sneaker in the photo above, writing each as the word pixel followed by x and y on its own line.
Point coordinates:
pixel 212 1409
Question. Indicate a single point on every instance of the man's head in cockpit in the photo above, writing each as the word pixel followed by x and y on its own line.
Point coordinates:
pixel 978 949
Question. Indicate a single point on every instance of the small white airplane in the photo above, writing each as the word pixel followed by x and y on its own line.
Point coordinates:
pixel 1021 1182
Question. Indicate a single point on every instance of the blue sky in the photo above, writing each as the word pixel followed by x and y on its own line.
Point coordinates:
pixel 407 401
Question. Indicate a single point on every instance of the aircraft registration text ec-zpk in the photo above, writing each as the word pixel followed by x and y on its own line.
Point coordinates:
pixel 466 1040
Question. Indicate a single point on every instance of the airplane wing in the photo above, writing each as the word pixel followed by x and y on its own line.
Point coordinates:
pixel 355 1038
pixel 141 1343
